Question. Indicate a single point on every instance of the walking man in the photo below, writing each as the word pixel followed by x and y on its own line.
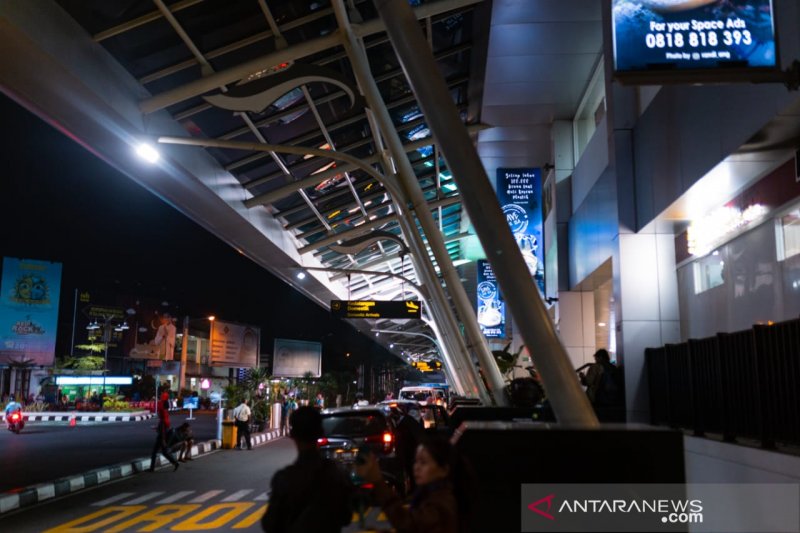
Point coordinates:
pixel 242 417
pixel 161 434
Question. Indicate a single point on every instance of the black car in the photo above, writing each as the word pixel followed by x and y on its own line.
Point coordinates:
pixel 350 431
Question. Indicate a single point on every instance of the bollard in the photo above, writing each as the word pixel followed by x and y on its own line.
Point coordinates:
pixel 219 424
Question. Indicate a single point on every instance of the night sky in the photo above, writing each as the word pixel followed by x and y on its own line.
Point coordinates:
pixel 60 203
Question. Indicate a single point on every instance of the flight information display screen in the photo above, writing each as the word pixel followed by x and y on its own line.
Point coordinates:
pixel 692 35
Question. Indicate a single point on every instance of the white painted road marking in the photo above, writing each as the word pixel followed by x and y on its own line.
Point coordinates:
pixel 120 496
pixel 238 495
pixel 175 497
pixel 142 499
pixel 207 496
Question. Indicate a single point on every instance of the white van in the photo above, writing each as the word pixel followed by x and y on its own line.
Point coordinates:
pixel 424 394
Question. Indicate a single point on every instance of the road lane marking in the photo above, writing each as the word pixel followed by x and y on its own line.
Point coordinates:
pixel 207 496
pixel 156 518
pixel 175 497
pixel 263 497
pixel 200 521
pixel 185 517
pixel 252 519
pixel 142 499
pixel 238 495
pixel 118 497
pixel 80 524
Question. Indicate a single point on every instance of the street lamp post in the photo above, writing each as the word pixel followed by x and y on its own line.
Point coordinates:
pixel 108 321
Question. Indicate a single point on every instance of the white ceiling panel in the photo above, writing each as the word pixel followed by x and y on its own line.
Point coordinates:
pixel 570 68
pixel 550 38
pixel 508 148
pixel 511 115
pixel 531 93
pixel 524 11
pixel 514 133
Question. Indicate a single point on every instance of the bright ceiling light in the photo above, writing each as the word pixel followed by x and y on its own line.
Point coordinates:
pixel 301 275
pixel 148 153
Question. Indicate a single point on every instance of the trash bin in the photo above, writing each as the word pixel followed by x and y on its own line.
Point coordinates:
pixel 228 434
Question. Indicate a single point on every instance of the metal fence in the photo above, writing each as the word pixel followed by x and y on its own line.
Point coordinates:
pixel 741 385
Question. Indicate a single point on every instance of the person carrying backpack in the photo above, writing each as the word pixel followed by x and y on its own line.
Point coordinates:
pixel 604 386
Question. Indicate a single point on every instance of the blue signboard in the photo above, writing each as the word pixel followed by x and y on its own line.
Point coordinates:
pixel 191 402
pixel 519 191
pixel 29 294
pixel 491 308
pixel 653 35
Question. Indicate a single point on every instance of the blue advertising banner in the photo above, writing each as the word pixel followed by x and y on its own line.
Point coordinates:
pixel 693 34
pixel 519 191
pixel 491 308
pixel 29 294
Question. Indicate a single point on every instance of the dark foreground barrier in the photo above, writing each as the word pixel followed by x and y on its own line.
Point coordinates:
pixel 506 455
pixel 464 413
pixel 743 384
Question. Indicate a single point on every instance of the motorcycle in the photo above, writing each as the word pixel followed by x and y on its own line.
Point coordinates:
pixel 15 422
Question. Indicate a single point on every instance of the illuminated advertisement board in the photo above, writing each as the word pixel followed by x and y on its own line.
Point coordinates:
pixel 491 308
pixel 234 345
pixel 692 35
pixel 519 191
pixel 294 359
pixel 29 294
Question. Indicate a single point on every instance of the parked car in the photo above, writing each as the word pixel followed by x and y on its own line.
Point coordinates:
pixel 424 394
pixel 430 416
pixel 348 431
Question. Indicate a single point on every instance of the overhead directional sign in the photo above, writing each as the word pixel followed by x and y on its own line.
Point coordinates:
pixel 376 309
pixel 427 366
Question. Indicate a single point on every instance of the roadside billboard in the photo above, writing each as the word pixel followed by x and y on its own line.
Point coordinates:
pixel 293 359
pixel 29 295
pixel 234 345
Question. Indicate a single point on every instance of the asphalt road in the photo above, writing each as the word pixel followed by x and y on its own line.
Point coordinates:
pixel 224 491
pixel 46 451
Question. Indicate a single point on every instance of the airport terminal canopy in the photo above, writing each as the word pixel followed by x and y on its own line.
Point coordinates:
pixel 112 75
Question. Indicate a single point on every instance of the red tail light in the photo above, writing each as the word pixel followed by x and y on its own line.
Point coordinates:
pixel 386 439
pixel 15 417
pixel 322 442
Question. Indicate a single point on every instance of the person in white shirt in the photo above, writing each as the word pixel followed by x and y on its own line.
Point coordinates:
pixel 241 416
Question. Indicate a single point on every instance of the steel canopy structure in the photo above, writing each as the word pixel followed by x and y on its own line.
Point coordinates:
pixel 112 75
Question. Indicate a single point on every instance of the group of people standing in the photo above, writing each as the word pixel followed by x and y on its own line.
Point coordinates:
pixel 312 494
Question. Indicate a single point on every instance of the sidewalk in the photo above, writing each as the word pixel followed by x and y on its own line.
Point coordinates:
pixel 84 416
pixel 28 496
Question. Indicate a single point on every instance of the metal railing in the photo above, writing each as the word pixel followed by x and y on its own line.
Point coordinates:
pixel 740 385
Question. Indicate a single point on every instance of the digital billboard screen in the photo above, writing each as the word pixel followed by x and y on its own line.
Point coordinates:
pixel 662 37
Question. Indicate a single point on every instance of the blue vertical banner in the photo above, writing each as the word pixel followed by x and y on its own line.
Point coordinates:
pixel 29 294
pixel 519 191
pixel 491 308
